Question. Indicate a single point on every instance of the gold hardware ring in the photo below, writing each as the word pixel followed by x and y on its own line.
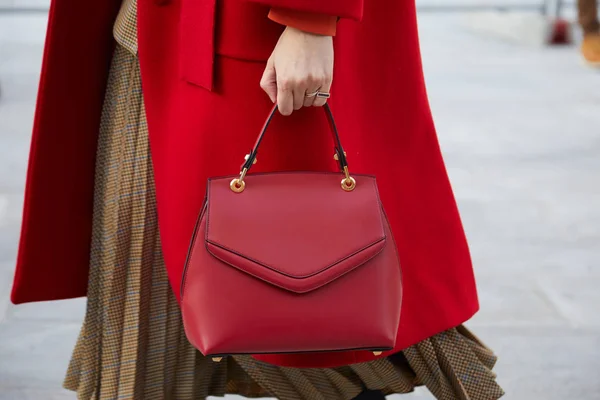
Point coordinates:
pixel 348 183
pixel 238 185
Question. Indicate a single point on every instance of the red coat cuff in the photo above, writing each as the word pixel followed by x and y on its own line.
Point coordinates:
pixel 309 22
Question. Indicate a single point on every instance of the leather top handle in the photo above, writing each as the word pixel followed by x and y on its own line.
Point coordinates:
pixel 348 183
pixel 341 156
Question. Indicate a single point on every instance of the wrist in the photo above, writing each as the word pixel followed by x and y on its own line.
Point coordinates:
pixel 301 32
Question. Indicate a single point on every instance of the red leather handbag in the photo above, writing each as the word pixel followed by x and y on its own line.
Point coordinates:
pixel 292 262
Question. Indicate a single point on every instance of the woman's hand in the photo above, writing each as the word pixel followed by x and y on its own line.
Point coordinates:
pixel 302 63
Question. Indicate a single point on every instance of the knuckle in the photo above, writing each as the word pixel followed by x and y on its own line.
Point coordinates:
pixel 319 78
pixel 287 84
pixel 311 80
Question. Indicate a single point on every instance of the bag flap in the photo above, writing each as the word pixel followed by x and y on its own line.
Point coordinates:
pixel 298 231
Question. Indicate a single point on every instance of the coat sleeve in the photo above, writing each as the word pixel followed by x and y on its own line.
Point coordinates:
pixel 320 24
pixel 352 9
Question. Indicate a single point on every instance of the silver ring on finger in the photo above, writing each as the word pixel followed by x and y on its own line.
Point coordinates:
pixel 323 95
pixel 313 94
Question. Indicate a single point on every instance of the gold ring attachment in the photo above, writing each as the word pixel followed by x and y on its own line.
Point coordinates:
pixel 237 185
pixel 348 184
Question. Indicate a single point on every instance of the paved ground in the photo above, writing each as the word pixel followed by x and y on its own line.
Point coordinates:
pixel 519 127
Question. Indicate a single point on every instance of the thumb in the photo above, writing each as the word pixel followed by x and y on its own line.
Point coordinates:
pixel 268 83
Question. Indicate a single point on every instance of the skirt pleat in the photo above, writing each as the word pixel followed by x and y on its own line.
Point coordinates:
pixel 132 344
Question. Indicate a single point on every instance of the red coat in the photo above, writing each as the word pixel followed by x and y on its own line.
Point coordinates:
pixel 201 68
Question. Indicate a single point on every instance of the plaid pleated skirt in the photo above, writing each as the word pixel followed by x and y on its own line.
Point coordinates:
pixel 132 344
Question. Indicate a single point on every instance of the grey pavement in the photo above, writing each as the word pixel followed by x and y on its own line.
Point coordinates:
pixel 519 126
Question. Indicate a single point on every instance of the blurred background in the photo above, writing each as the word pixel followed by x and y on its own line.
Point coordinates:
pixel 518 116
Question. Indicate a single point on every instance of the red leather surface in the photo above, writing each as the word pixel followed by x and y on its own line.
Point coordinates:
pixel 292 264
pixel 295 230
pixel 293 283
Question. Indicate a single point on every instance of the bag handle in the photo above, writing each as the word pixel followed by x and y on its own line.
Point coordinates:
pixel 348 183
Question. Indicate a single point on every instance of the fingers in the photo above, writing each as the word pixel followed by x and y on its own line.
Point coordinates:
pixel 300 63
pixel 309 100
pixel 285 98
pixel 299 95
pixel 268 83
pixel 325 88
pixel 310 85
pixel 292 94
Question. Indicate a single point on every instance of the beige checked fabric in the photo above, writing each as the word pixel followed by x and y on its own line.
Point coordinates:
pixel 125 28
pixel 132 344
